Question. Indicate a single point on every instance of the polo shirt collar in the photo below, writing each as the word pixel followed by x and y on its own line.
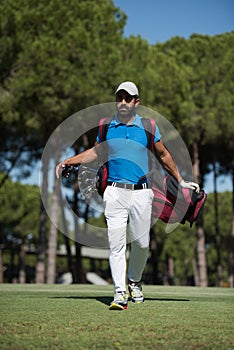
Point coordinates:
pixel 136 121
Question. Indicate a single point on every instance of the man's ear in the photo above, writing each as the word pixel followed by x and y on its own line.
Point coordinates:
pixel 137 102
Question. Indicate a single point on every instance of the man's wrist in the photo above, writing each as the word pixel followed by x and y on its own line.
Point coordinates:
pixel 180 180
pixel 67 162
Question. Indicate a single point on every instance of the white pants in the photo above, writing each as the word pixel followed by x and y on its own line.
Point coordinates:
pixel 122 207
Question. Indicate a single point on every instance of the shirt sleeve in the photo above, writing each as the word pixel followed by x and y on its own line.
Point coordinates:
pixel 157 136
pixel 98 136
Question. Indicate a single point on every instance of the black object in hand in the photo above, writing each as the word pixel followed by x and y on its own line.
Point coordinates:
pixel 67 170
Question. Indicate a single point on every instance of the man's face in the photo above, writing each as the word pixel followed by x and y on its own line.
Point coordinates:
pixel 126 103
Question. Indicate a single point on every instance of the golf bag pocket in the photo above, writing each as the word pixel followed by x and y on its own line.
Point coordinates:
pixel 102 176
pixel 173 204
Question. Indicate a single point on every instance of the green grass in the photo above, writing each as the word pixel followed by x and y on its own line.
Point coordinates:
pixel 77 317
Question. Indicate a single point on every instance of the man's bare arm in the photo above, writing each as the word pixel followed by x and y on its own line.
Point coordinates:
pixel 167 161
pixel 169 165
pixel 87 156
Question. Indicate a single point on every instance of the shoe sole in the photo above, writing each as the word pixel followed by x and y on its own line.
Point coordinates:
pixel 115 306
pixel 137 301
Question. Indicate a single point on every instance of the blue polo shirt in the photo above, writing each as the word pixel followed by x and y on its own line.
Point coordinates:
pixel 127 150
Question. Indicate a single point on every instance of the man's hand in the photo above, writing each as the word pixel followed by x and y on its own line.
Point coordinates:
pixel 68 164
pixel 63 170
pixel 58 170
pixel 191 185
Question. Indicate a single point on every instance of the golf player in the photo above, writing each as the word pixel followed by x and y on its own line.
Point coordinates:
pixel 128 198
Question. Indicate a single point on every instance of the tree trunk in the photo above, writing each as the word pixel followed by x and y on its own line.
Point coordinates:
pixel 78 272
pixel 171 271
pixel 11 277
pixel 231 240
pixel 196 273
pixel 217 230
pixel 1 265
pixel 70 266
pixel 53 235
pixel 52 244
pixel 153 258
pixel 22 274
pixel 201 251
pixel 201 255
pixel 66 238
pixel 156 248
pixel 41 256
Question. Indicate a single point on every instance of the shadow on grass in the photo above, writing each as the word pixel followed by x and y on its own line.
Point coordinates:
pixel 107 299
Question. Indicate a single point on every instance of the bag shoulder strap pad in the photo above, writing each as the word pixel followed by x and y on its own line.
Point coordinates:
pixel 150 129
pixel 103 128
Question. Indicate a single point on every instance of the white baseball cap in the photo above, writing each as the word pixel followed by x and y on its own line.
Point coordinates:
pixel 129 87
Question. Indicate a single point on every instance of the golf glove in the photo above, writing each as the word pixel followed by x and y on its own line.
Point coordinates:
pixel 191 185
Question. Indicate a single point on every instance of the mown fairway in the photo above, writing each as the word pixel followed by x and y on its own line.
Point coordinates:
pixel 77 317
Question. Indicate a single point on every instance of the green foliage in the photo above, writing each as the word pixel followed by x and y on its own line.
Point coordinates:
pixel 57 56
pixel 224 223
pixel 224 212
pixel 19 210
pixel 206 63
pixel 180 246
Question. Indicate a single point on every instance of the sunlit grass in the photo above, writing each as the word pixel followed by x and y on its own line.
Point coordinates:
pixel 77 317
